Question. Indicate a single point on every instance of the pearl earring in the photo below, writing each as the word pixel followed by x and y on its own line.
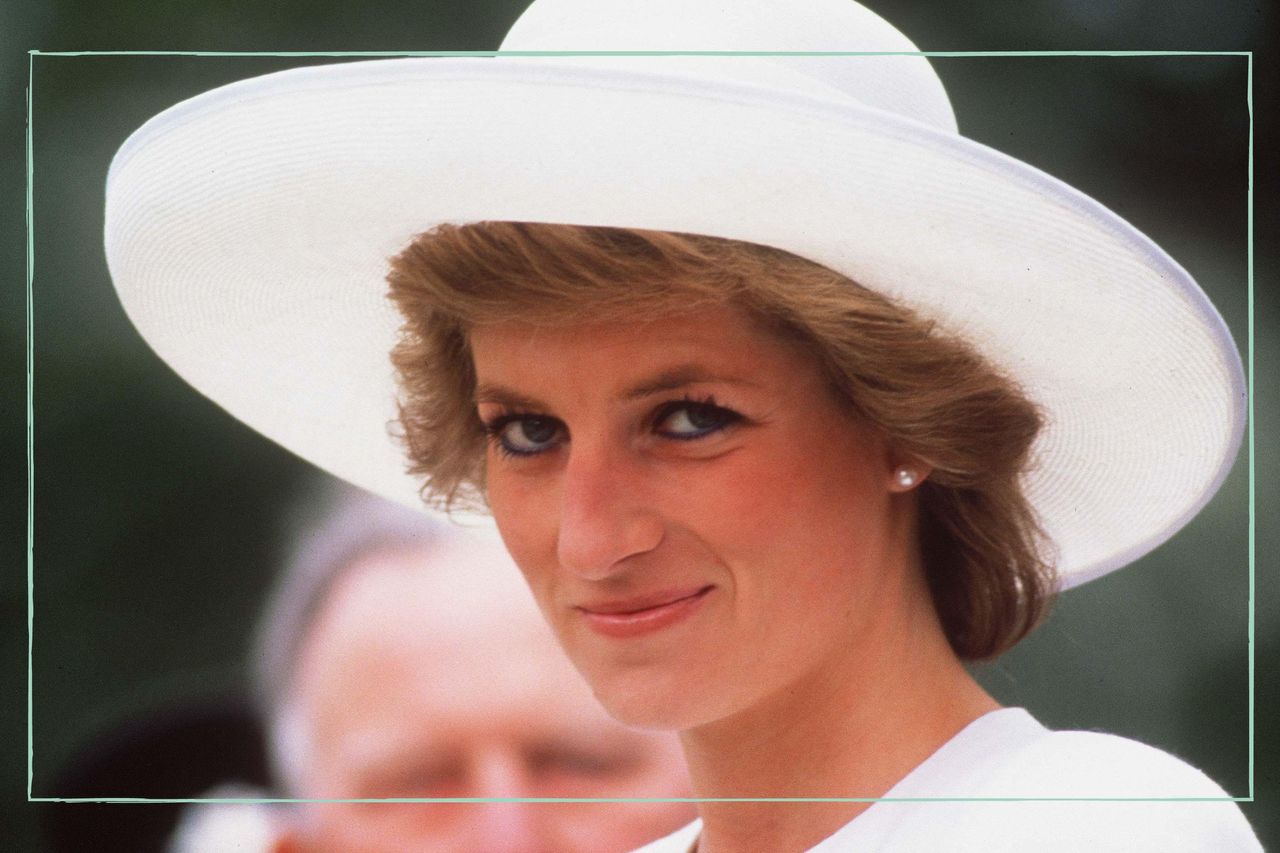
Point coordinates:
pixel 906 477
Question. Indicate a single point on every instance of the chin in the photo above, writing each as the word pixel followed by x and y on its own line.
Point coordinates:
pixel 656 700
pixel 642 712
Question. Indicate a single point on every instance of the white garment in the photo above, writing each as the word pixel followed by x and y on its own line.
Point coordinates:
pixel 1007 754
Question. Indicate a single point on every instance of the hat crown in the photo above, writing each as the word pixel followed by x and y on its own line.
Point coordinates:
pixel 905 85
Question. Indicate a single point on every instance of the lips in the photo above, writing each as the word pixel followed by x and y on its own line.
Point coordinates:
pixel 646 614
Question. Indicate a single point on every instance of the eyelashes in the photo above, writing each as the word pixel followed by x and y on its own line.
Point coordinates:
pixel 525 434
pixel 690 419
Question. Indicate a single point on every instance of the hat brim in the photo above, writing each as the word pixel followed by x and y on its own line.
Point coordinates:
pixel 248 232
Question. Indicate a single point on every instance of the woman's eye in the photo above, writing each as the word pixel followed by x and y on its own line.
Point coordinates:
pixel 689 419
pixel 525 436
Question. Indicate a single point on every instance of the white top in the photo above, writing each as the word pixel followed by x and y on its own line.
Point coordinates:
pixel 1008 754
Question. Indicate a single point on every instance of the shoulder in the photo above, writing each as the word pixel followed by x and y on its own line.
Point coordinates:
pixel 1105 792
pixel 1006 784
pixel 1008 753
pixel 1093 764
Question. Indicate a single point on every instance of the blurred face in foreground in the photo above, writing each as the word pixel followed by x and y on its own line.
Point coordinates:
pixel 430 673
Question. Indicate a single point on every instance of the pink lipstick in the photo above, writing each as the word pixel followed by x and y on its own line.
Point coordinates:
pixel 634 617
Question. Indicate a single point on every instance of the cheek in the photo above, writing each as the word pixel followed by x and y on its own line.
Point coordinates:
pixel 526 520
pixel 747 500
pixel 787 491
pixel 803 529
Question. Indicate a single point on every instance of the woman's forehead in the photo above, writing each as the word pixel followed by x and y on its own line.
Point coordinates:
pixel 633 358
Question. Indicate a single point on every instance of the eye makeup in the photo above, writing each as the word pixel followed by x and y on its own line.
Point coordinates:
pixel 691 418
pixel 523 433
pixel 526 434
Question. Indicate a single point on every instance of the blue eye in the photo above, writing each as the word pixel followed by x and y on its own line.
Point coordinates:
pixel 690 419
pixel 524 435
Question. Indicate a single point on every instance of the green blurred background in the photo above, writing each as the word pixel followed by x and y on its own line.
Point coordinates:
pixel 155 514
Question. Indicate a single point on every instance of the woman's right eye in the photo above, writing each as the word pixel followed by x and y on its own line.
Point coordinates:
pixel 525 435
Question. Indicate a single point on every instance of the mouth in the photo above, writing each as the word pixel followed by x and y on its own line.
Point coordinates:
pixel 642 615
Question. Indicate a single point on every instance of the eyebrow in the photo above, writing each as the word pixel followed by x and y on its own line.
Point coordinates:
pixel 678 377
pixel 504 396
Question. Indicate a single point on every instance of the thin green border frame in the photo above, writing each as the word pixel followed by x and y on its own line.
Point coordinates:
pixel 31 457
pixel 1252 525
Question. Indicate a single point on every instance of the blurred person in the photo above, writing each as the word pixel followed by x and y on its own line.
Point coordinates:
pixel 402 659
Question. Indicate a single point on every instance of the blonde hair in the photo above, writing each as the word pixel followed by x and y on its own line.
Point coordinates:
pixel 936 398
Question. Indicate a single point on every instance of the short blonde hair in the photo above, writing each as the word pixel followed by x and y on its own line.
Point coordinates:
pixel 935 397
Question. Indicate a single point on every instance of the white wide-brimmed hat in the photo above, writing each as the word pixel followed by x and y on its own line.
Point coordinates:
pixel 248 232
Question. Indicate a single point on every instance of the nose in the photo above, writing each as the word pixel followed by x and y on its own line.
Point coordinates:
pixel 505 827
pixel 509 828
pixel 605 513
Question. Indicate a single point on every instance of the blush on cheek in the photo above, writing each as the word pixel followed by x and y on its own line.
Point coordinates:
pixel 758 490
pixel 753 498
pixel 814 499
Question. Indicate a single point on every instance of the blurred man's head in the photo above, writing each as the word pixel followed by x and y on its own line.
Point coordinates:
pixel 425 670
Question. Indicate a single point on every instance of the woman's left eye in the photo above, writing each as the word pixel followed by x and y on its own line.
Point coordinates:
pixel 689 419
pixel 524 434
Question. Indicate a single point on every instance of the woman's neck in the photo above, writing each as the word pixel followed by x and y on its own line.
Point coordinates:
pixel 853 728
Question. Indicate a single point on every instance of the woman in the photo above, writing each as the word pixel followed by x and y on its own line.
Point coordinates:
pixel 773 429
pixel 773 512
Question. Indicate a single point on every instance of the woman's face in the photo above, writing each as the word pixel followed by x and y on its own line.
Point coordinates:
pixel 702 522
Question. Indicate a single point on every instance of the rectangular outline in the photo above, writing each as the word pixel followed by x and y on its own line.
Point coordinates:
pixel 1250 644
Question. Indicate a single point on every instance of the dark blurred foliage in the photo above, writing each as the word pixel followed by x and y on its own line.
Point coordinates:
pixel 155 514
